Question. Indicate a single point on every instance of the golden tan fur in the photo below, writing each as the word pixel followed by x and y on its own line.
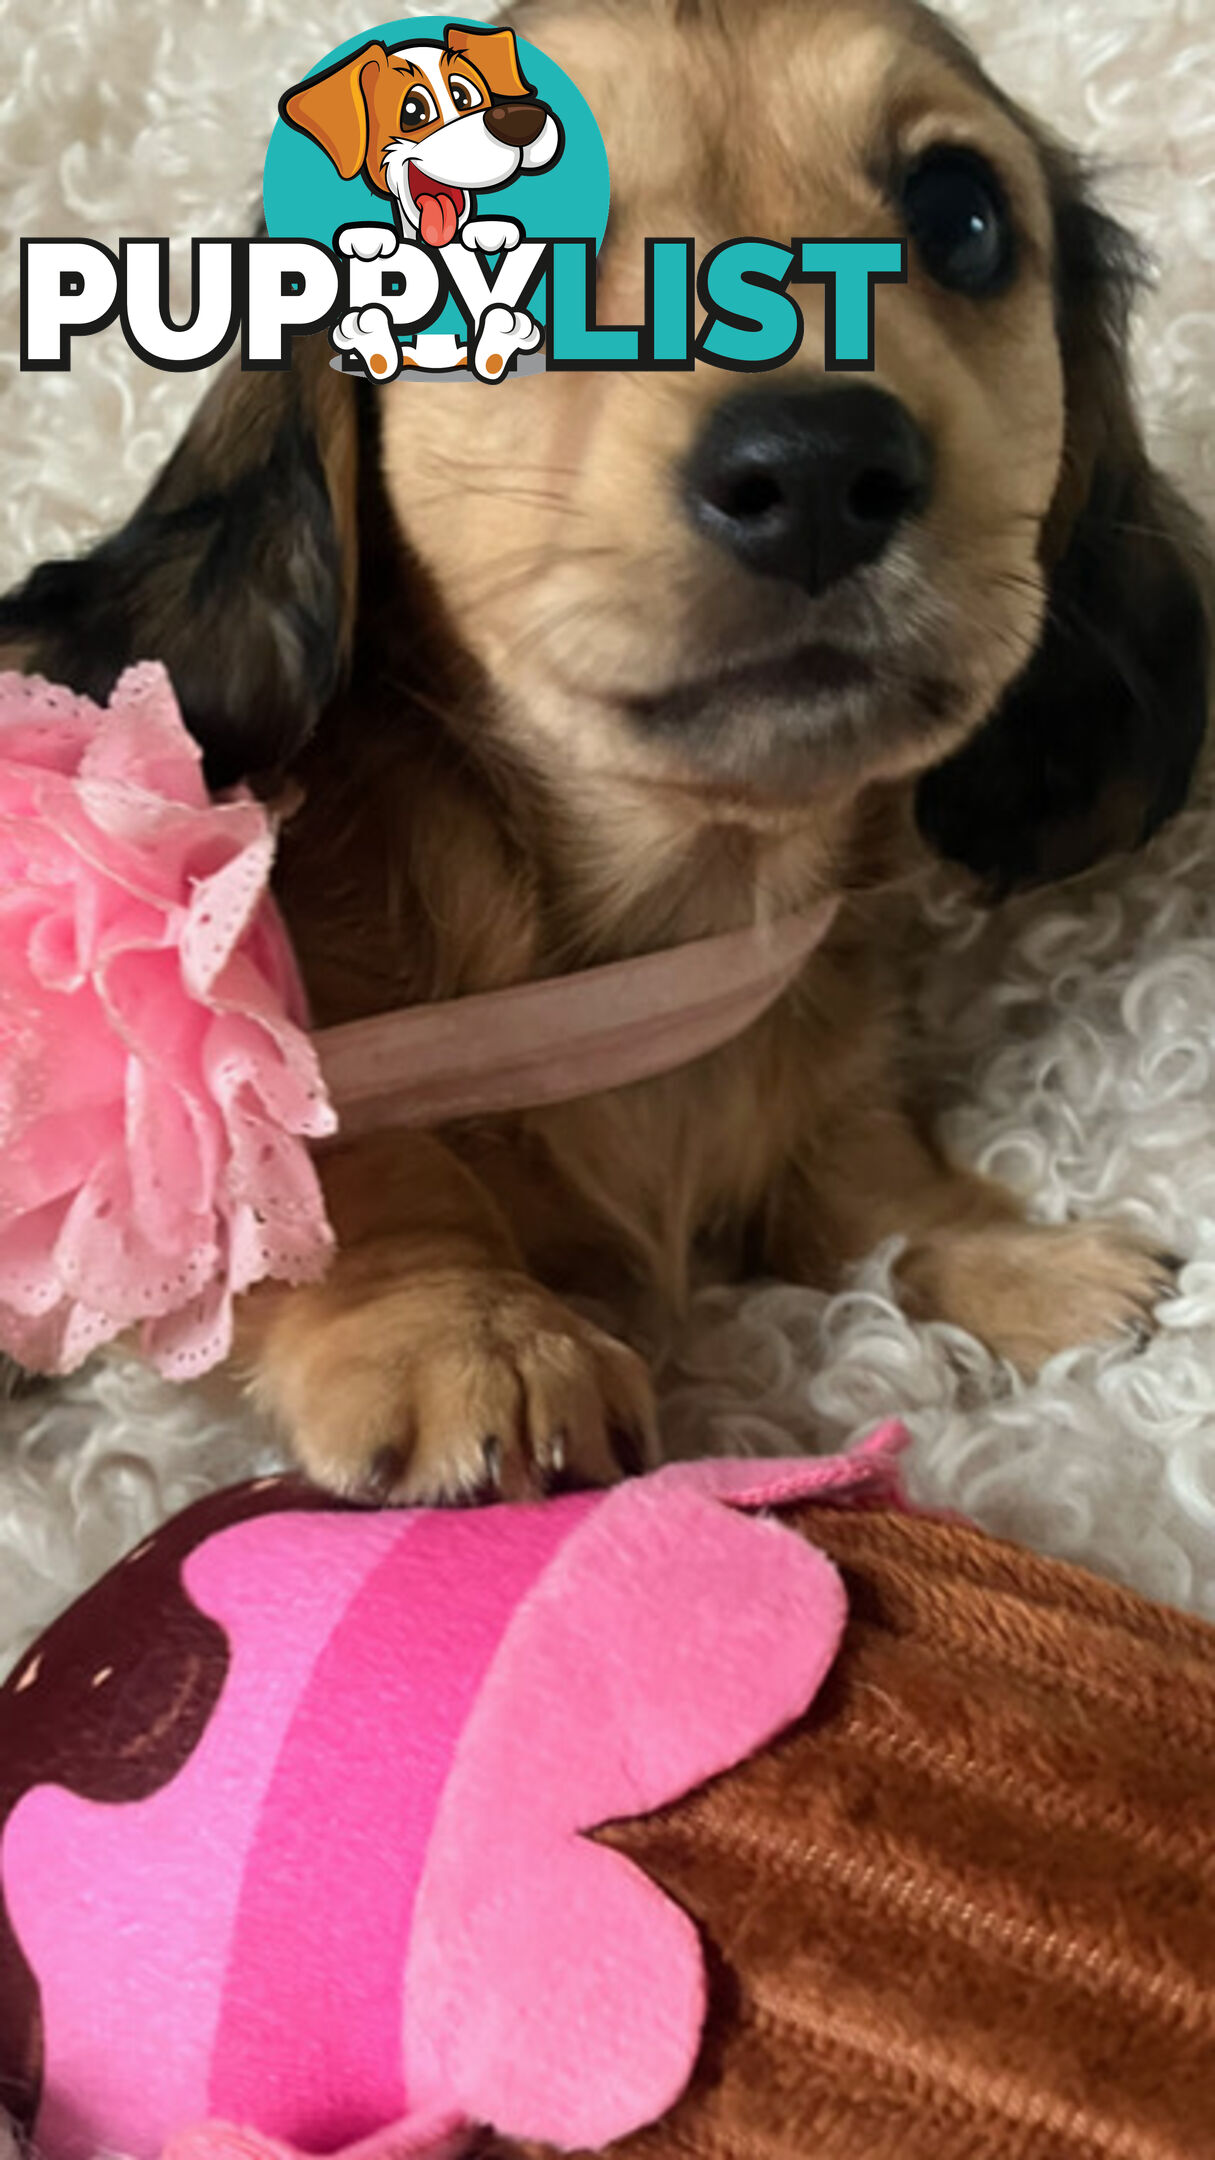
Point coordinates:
pixel 486 801
pixel 564 576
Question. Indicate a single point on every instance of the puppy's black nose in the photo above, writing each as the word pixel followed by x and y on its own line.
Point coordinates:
pixel 808 485
pixel 516 125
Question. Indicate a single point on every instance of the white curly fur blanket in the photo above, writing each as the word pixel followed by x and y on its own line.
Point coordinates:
pixel 1076 1033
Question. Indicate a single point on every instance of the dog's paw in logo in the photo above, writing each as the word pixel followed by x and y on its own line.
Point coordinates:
pixel 503 333
pixel 366 243
pixel 368 334
pixel 490 235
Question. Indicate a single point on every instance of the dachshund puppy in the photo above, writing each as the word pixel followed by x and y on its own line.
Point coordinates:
pixel 604 662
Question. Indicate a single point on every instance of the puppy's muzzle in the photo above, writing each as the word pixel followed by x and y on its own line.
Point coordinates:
pixel 516 125
pixel 808 486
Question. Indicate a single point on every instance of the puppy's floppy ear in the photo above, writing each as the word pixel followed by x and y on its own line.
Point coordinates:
pixel 238 571
pixel 332 108
pixel 1094 745
pixel 495 56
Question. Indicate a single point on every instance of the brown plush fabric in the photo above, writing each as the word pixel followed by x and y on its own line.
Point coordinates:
pixel 966 1909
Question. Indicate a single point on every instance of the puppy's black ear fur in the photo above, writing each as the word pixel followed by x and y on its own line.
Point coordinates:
pixel 1094 744
pixel 238 571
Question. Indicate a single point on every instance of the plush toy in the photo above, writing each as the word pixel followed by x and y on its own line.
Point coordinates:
pixel 299 1800
pixel 631 1820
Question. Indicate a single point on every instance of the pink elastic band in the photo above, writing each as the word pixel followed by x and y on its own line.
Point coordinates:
pixel 565 1036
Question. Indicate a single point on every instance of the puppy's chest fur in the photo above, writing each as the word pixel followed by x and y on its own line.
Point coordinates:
pixel 412 874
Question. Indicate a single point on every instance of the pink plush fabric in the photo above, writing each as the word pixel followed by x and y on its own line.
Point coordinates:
pixel 128 1913
pixel 435 2137
pixel 551 1987
pixel 308 2041
pixel 155 1094
pixel 365 1911
pixel 867 1476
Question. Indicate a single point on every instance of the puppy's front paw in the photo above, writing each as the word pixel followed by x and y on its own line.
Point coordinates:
pixel 367 242
pixel 465 1384
pixel 488 236
pixel 1029 1290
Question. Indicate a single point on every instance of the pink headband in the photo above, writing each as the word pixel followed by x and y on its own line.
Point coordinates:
pixel 158 1091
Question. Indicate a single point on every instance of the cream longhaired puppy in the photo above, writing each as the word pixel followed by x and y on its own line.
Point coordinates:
pixel 592 664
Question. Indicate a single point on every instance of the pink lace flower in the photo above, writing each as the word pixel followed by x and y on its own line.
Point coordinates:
pixel 156 1085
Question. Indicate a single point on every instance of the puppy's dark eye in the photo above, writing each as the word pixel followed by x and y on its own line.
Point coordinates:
pixel 463 96
pixel 957 217
pixel 417 109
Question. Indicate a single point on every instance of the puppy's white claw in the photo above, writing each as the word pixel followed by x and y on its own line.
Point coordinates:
pixel 368 333
pixel 503 332
pixel 490 235
pixel 368 242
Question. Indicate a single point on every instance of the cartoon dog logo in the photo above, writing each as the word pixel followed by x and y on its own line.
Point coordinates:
pixel 432 127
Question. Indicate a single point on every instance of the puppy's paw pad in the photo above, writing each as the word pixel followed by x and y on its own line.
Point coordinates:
pixel 488 236
pixel 368 334
pixel 503 332
pixel 367 242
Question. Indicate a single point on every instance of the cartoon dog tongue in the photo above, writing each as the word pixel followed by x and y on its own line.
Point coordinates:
pixel 439 208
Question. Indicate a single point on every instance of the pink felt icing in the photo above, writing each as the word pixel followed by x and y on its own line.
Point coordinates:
pixel 552 1989
pixel 867 1476
pixel 426 2137
pixel 309 2042
pixel 156 1086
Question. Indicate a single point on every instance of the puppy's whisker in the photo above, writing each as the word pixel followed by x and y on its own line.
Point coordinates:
pixel 548 628
pixel 529 498
pixel 454 461
pixel 526 571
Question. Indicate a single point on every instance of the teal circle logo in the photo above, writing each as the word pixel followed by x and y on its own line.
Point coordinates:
pixel 306 198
